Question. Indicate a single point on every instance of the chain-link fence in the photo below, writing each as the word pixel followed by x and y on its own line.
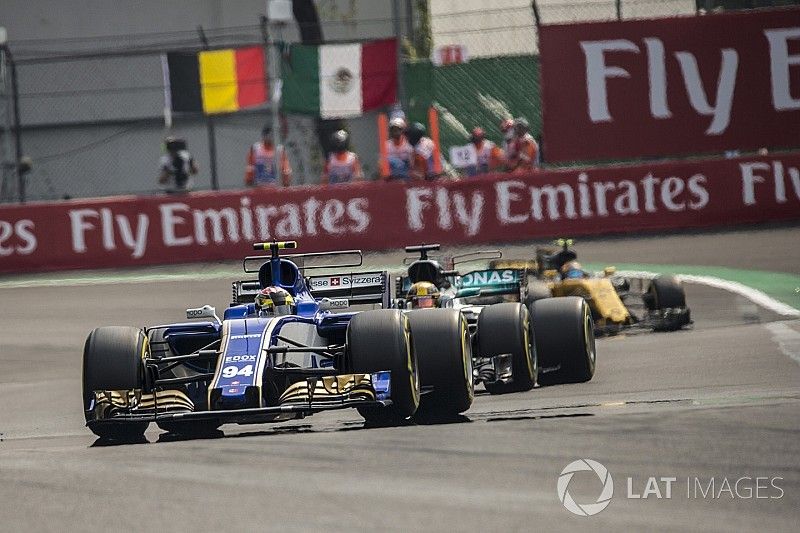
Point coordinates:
pixel 92 108
pixel 93 121
pixel 500 78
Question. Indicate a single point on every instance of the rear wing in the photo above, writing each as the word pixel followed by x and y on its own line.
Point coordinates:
pixel 492 282
pixel 357 287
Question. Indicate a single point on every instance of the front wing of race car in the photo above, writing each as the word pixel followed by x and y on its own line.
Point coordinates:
pixel 303 398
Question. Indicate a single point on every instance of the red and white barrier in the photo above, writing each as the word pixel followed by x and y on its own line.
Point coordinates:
pixel 208 226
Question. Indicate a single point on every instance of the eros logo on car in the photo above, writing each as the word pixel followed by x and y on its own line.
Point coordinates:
pixel 481 278
pixel 240 358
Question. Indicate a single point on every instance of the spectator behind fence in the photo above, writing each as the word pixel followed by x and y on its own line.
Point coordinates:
pixel 526 149
pixel 262 169
pixel 490 157
pixel 509 142
pixel 342 165
pixel 176 166
pixel 423 165
pixel 399 152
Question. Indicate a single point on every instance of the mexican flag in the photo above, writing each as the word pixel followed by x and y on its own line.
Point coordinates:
pixel 340 80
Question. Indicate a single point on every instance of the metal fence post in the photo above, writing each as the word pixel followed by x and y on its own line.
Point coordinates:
pixel 536 16
pixel 398 35
pixel 16 126
pixel 212 137
pixel 274 75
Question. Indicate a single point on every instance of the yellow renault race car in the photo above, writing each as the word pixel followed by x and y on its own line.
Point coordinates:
pixel 616 302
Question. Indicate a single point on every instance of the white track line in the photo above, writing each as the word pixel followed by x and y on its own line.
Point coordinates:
pixel 754 295
pixel 787 339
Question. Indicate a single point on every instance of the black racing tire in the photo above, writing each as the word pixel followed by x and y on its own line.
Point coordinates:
pixel 665 292
pixel 506 328
pixel 563 331
pixel 537 290
pixel 113 360
pixel 444 355
pixel 381 340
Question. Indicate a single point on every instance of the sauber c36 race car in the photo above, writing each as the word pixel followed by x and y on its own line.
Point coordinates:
pixel 515 343
pixel 614 300
pixel 255 366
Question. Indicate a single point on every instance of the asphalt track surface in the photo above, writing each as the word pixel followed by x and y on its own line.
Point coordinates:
pixel 720 401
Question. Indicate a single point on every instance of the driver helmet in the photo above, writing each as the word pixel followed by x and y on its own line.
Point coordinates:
pixel 572 270
pixel 274 301
pixel 423 295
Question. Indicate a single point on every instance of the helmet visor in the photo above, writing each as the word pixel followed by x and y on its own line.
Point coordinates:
pixel 424 302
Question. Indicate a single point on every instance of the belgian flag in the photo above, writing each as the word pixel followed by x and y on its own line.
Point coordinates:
pixel 216 81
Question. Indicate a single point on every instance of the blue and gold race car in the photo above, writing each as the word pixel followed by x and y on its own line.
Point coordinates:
pixel 261 364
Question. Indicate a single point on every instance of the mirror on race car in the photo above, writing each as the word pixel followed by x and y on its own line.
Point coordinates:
pixel 207 311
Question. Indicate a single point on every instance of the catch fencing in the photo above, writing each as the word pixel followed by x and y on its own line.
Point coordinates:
pixel 93 123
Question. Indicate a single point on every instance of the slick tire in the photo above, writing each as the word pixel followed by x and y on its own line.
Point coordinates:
pixel 563 331
pixel 505 328
pixel 113 361
pixel 381 340
pixel 665 292
pixel 536 291
pixel 444 355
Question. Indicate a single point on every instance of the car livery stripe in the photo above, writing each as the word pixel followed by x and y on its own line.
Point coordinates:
pixel 241 339
pixel 267 340
pixel 226 326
